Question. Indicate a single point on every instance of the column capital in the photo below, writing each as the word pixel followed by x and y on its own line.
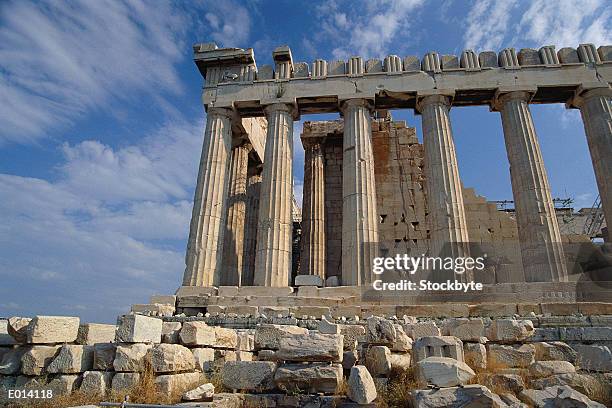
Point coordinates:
pixel 215 111
pixel 347 103
pixel 586 91
pixel 290 108
pixel 504 94
pixel 440 96
pixel 312 141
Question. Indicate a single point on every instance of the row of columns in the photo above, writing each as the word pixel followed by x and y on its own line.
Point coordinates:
pixel 540 240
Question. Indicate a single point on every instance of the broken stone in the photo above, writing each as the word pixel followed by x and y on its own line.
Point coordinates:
pixel 310 347
pixel 510 331
pixel 349 359
pixel 17 328
pixel 72 359
pixel 399 360
pixel 138 329
pixel 169 384
pixel 378 360
pixel 422 329
pixel 93 333
pixel 197 334
pixel 361 388
pixel 96 382
pixel 587 384
pixel 246 341
pixel 169 358
pixel 5 338
pixel 444 371
pixel 475 355
pixel 541 369
pixel 131 357
pixel 473 395
pixel 311 378
pixel 170 332
pixel 104 356
pixel 499 355
pixel 204 392
pixel 248 375
pixel 11 361
pixel 204 358
pixel 512 382
pixel 380 331
pixel 267 336
pixel 558 396
pixel 352 333
pixel 225 338
pixel 554 350
pixel 593 357
pixel 402 341
pixel 124 381
pixel 52 329
pixel 64 384
pixel 465 329
pixel 37 358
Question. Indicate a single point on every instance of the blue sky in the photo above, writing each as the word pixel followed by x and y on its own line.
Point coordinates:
pixel 101 123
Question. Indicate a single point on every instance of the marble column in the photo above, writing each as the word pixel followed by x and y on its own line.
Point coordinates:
pixel 312 259
pixel 233 245
pixel 596 110
pixel 205 243
pixel 538 229
pixel 274 240
pixel 250 227
pixel 448 226
pixel 359 215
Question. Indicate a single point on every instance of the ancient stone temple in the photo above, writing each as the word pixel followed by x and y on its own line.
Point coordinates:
pixel 370 188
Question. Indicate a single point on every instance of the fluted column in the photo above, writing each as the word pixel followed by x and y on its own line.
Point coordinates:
pixel 596 110
pixel 233 246
pixel 359 215
pixel 538 229
pixel 250 227
pixel 448 226
pixel 274 240
pixel 205 243
pixel 312 260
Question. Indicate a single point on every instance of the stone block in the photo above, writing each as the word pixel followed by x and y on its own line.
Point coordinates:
pixel 169 384
pixel 197 334
pixel 502 356
pixel 274 311
pixel 64 384
pixel 557 396
pixel 267 336
pixel 245 341
pixel 36 359
pixel 308 280
pixel 378 360
pixel 605 52
pixel 332 281
pixel 529 56
pixel 310 347
pixel 540 369
pixel 138 329
pixel 412 63
pixel 449 62
pixel 353 333
pixel 124 381
pixel 52 329
pixel 315 311
pixel 11 361
pixel 266 355
pixel 17 328
pixel 380 331
pixel 170 358
pixel 132 357
pixel 310 378
pixel 493 310
pixel 96 382
pixel 336 68
pixel 349 359
pixel 149 309
pixel 92 333
pixel 225 338
pixel 568 55
pixel 361 388
pixel 488 59
pixel 422 329
pixel 475 355
pixel 464 329
pixel 584 383
pixel 171 332
pixel 593 357
pixel 554 350
pixel 104 356
pixel 204 358
pixel 249 375
pixel 373 66
pixel 595 308
pixel 204 392
pixel 472 395
pixel 243 310
pixel 400 360
pixel 438 346
pixel 72 359
pixel 510 331
pixel 326 327
pixel 402 342
pixel 308 291
pixel 265 72
pixel 444 372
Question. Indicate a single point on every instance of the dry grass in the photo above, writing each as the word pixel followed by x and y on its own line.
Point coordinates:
pixel 144 392
pixel 397 392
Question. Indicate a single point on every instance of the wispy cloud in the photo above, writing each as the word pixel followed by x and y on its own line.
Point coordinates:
pixel 366 28
pixel 59 60
pixel 488 22
pixel 228 22
pixel 108 233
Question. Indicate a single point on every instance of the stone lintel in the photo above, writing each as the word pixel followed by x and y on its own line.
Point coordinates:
pixel 208 56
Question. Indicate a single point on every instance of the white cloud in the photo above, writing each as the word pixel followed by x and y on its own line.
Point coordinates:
pixel 487 24
pixel 108 233
pixel 366 28
pixel 60 60
pixel 228 23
